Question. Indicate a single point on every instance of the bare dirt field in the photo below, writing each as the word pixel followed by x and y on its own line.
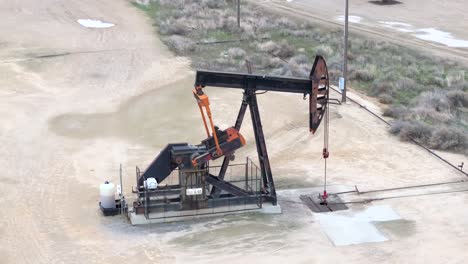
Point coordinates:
pixel 117 95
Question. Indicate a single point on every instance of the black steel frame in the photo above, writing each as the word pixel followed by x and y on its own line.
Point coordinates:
pixel 317 87
pixel 167 198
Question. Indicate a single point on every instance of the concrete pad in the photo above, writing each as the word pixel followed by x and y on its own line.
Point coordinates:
pixel 175 216
pixel 357 227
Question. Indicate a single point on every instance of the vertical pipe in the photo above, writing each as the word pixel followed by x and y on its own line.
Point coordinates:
pixel 345 54
pixel 121 191
pixel 238 13
pixel 247 174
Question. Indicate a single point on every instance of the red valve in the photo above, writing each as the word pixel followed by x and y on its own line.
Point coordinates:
pixel 325 195
pixel 325 153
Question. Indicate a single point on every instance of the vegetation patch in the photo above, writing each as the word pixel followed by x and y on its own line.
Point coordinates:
pixel 427 96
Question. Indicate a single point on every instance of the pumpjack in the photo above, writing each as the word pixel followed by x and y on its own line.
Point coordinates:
pixel 198 190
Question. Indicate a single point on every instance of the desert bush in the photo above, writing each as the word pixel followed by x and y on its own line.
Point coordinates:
pixel 262 24
pixel 363 59
pixel 265 61
pixel 220 63
pixel 429 115
pixel 283 70
pixel 414 130
pixel 192 10
pixel 405 84
pixel 174 27
pixel 458 98
pixel 236 53
pixel 172 3
pixel 445 138
pixel 299 70
pixel 437 81
pixel 299 33
pixel 455 78
pixel 395 111
pixel 435 100
pixel 396 126
pixel 248 31
pixel 180 44
pixel 229 24
pixel 300 59
pixel 412 70
pixel 282 49
pixel 379 87
pixel 273 62
pixel 324 50
pixel 386 99
pixel 214 4
pixel 365 75
pixel 285 23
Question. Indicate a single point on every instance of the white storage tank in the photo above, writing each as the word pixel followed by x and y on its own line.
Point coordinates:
pixel 107 195
pixel 151 183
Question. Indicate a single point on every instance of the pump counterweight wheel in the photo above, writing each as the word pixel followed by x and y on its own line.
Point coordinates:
pixel 318 99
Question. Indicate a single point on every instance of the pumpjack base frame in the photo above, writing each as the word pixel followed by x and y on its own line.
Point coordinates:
pixel 184 215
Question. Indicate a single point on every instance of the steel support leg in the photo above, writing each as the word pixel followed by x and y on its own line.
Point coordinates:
pixel 264 161
pixel 215 192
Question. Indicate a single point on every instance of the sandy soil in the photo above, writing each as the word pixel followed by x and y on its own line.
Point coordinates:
pixel 68 121
pixel 448 17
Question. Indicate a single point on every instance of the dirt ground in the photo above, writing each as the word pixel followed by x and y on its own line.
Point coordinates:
pixel 446 16
pixel 117 95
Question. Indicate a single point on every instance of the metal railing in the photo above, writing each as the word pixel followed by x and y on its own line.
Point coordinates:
pixel 241 177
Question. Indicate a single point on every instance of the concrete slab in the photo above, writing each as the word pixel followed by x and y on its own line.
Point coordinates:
pixel 356 227
pixel 175 216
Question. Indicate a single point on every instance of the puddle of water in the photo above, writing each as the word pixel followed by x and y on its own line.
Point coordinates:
pixel 344 229
pixel 399 26
pixel 92 23
pixel 155 118
pixel 352 19
pixel 441 37
pixel 429 34
pixel 395 24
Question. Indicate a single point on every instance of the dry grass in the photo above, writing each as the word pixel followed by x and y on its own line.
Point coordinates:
pixel 437 118
pixel 236 53
pixel 280 49
pixel 180 45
